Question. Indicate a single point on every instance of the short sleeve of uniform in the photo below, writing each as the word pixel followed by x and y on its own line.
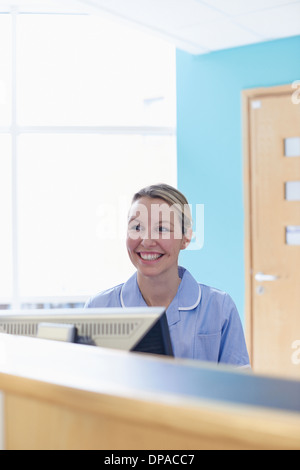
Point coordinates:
pixel 233 349
pixel 106 299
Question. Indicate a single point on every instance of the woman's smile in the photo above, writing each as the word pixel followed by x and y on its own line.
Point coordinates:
pixel 150 256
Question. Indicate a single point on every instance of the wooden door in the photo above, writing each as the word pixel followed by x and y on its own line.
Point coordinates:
pixel 272 172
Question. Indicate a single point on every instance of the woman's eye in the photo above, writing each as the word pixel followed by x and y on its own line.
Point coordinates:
pixel 135 227
pixel 163 229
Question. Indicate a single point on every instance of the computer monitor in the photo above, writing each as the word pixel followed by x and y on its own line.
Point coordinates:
pixel 132 329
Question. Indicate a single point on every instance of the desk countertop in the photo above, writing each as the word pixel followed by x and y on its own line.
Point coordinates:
pixel 141 376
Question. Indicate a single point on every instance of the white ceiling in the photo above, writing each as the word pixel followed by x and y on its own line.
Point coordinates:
pixel 195 26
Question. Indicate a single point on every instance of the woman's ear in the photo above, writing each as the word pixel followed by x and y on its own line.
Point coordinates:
pixel 186 239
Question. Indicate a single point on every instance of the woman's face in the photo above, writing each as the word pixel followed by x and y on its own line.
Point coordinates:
pixel 154 236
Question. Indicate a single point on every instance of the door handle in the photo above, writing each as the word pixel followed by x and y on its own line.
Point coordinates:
pixel 261 277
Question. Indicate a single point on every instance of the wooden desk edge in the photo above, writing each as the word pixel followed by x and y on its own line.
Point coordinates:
pixel 242 427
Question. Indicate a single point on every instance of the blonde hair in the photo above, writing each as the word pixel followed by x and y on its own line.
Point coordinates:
pixel 172 197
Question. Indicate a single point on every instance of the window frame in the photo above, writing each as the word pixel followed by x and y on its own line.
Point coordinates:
pixel 15 130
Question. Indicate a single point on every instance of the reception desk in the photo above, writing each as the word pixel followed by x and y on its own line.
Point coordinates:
pixel 65 396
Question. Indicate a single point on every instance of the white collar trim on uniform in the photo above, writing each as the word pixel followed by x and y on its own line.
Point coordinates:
pixel 130 293
pixel 195 304
pixel 121 298
pixel 179 308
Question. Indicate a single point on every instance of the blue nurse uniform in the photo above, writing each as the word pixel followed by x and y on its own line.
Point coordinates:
pixel 204 322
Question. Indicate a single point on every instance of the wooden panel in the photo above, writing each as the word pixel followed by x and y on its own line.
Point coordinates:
pixel 63 396
pixel 115 423
pixel 1 422
pixel 273 321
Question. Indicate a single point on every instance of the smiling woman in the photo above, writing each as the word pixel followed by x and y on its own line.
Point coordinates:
pixel 204 323
pixel 159 228
pixel 154 242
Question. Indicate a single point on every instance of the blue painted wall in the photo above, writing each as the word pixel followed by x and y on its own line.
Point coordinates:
pixel 210 150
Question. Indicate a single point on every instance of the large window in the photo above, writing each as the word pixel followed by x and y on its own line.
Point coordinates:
pixel 87 117
pixel 5 219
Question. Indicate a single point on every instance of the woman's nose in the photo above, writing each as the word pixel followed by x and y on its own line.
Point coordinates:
pixel 147 239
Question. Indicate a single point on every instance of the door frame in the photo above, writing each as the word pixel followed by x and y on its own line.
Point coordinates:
pixel 247 96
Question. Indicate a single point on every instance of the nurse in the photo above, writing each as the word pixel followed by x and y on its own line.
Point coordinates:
pixel 204 322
